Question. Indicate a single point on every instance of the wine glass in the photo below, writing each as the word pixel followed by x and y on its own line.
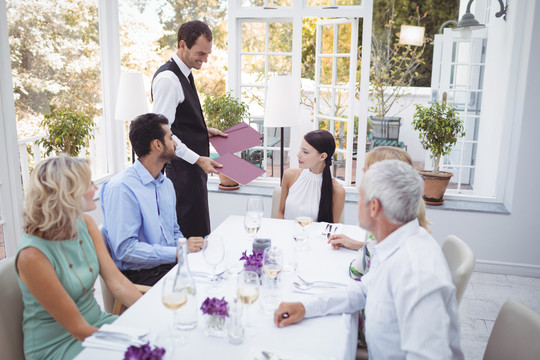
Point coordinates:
pixel 248 292
pixel 234 264
pixel 174 297
pixel 304 222
pixel 272 261
pixel 213 253
pixel 252 224
pixel 255 205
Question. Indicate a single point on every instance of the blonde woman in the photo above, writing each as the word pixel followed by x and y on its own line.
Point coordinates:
pixel 378 154
pixel 60 255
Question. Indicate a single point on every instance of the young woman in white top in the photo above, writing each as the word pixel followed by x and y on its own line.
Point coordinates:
pixel 311 190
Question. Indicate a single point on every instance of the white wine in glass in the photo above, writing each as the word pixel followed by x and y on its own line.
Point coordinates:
pixel 174 297
pixel 304 221
pixel 248 292
pixel 252 223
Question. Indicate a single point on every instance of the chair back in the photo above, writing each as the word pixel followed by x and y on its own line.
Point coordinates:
pixel 515 334
pixel 11 312
pixel 108 298
pixel 276 197
pixel 461 260
pixel 386 129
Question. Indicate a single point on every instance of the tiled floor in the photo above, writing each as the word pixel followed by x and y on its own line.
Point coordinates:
pixel 482 301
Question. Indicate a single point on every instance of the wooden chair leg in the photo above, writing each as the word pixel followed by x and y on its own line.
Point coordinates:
pixel 119 308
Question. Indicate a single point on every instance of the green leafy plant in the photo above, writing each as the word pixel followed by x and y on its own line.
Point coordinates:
pixel 68 131
pixel 224 111
pixel 440 127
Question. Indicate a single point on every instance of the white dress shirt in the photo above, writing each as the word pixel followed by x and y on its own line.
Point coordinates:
pixel 168 93
pixel 409 299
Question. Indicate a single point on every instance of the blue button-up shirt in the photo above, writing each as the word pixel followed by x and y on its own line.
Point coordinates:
pixel 139 217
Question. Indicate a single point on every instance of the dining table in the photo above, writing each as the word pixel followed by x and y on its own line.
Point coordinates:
pixel 326 337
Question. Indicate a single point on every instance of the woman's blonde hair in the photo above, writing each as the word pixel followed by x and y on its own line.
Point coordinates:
pixel 381 153
pixel 55 197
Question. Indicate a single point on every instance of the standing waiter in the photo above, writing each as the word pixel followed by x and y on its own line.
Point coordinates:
pixel 175 96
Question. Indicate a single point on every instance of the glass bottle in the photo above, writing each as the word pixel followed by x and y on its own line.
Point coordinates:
pixel 186 316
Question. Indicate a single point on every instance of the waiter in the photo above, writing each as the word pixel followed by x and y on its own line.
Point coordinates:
pixel 175 96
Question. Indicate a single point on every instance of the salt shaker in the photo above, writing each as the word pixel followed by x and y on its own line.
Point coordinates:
pixel 235 330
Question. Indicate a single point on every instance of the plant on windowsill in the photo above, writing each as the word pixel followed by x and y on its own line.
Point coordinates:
pixel 222 112
pixel 68 131
pixel 440 127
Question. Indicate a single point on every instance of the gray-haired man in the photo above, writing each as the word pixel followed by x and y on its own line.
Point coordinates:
pixel 408 294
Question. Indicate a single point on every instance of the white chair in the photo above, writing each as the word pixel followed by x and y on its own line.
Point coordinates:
pixel 109 302
pixel 276 197
pixel 461 260
pixel 11 312
pixel 515 334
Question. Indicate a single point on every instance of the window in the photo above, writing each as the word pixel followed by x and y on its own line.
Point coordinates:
pixel 271 38
pixel 56 63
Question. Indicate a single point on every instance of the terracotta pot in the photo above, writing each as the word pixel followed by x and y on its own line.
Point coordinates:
pixel 226 183
pixel 435 186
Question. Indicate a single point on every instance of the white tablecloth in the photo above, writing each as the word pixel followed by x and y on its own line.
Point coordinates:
pixel 330 337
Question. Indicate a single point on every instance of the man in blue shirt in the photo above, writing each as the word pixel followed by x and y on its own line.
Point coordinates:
pixel 139 206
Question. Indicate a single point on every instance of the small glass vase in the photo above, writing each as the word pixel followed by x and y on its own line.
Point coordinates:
pixel 215 325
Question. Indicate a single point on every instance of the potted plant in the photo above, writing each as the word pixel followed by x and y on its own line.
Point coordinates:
pixel 68 131
pixel 222 112
pixel 440 127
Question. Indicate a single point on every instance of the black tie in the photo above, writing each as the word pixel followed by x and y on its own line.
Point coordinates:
pixel 192 82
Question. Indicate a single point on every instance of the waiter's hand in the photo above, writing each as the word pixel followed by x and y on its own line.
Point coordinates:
pixel 208 165
pixel 195 243
pixel 216 132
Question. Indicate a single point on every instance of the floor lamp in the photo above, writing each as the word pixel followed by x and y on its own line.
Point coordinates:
pixel 131 99
pixel 282 107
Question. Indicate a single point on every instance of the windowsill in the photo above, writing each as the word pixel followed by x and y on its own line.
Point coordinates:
pixel 352 196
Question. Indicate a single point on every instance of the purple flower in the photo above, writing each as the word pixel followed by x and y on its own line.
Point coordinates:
pixel 254 261
pixel 215 306
pixel 144 352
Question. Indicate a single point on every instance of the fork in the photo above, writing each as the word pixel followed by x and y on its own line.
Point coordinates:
pixel 314 283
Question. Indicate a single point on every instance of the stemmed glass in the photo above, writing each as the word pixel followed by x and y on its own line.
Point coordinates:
pixel 272 261
pixel 174 297
pixel 248 292
pixel 213 253
pixel 304 222
pixel 254 212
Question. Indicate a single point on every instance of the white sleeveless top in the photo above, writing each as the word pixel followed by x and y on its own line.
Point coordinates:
pixel 304 196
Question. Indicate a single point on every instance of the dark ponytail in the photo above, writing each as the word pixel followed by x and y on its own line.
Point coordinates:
pixel 324 142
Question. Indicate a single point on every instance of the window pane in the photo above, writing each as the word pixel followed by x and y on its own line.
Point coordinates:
pixel 279 65
pixel 343 67
pixel 279 2
pixel 254 97
pixel 252 3
pixel 326 70
pixel 344 38
pixel 56 63
pixel 252 69
pixel 253 36
pixel 327 39
pixel 280 37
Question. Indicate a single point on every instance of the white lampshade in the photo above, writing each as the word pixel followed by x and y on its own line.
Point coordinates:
pixel 282 108
pixel 412 35
pixel 131 98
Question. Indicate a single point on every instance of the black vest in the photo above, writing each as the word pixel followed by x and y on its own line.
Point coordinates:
pixel 188 123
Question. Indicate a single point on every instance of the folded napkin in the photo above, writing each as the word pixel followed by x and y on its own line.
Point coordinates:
pixel 114 337
pixel 360 266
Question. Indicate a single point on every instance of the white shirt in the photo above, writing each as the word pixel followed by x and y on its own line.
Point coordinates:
pixel 168 93
pixel 304 196
pixel 409 299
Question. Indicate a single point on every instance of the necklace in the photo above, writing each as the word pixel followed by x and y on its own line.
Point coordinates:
pixel 71 265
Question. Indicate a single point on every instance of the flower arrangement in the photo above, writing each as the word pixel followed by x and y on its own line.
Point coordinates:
pixel 215 307
pixel 215 313
pixel 144 352
pixel 253 262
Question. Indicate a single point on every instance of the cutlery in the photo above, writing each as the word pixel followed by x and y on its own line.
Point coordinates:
pixel 325 231
pixel 320 283
pixel 271 356
pixel 118 336
pixel 310 286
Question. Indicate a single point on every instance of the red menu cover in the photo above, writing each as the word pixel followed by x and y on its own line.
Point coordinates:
pixel 238 169
pixel 240 137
